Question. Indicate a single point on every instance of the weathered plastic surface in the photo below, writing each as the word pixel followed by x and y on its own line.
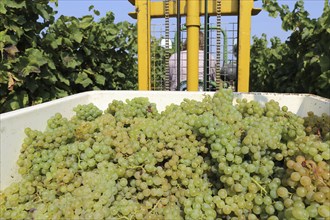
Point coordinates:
pixel 12 124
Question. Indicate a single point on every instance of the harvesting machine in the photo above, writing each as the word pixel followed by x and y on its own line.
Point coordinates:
pixel 174 21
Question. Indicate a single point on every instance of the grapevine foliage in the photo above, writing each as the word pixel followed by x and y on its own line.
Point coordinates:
pixel 301 64
pixel 43 59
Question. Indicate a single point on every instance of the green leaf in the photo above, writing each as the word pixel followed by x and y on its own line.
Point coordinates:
pixel 15 4
pixel 54 1
pixel 20 20
pixel 306 33
pixel 14 104
pixel 61 93
pixel 90 7
pixel 77 36
pixel 107 68
pixel 30 69
pixel 19 100
pixel 49 78
pixel 54 44
pixel 42 11
pixel 32 86
pixel 51 65
pixel 324 63
pixel 17 29
pixel 63 79
pixel 3 9
pixel 69 60
pixel 83 79
pixel 120 75
pixel 87 51
pixel 44 95
pixel 315 59
pixel 86 22
pixel 67 42
pixel 36 57
pixel 100 79
pixel 97 12
pixel 89 72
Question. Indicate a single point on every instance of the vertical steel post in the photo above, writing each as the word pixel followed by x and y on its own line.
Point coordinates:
pixel 167 52
pixel 206 49
pixel 143 24
pixel 218 48
pixel 178 43
pixel 244 35
pixel 193 25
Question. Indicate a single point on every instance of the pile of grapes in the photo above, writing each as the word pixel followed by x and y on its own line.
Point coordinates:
pixel 204 160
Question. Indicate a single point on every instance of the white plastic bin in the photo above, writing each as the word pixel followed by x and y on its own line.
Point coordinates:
pixel 12 124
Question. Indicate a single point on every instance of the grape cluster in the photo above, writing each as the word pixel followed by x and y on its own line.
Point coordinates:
pixel 87 112
pixel 205 159
pixel 308 183
pixel 318 125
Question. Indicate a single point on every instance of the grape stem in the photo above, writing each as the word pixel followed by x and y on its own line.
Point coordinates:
pixel 123 217
pixel 153 208
pixel 38 198
pixel 260 186
pixel 136 167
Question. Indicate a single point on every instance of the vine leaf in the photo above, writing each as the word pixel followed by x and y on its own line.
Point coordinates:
pixel 11 81
pixel 11 50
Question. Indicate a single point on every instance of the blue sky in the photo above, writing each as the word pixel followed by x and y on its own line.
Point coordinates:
pixel 261 23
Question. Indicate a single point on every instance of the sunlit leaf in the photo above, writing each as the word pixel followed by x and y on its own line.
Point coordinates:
pixel 30 69
pixel 43 12
pixel 86 22
pixel 77 36
pixel 100 79
pixel 36 57
pixel 83 80
pixel 15 4
pixel 3 9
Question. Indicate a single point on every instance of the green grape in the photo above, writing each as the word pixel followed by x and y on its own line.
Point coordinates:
pixel 300 213
pixel 305 181
pixel 312 211
pixel 270 210
pixel 324 211
pixel 282 192
pixel 319 197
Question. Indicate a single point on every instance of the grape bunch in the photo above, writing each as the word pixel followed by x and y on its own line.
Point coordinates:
pixel 318 125
pixel 208 159
pixel 309 184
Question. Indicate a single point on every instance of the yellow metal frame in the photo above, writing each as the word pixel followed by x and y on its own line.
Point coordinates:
pixel 193 24
pixel 145 10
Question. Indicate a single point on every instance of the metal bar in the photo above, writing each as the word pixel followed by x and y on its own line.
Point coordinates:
pixel 228 8
pixel 206 83
pixel 143 23
pixel 193 25
pixel 167 37
pixel 132 2
pixel 236 69
pixel 218 46
pixel 178 45
pixel 244 27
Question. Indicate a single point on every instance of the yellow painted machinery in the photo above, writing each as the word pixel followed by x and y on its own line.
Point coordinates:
pixel 192 11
